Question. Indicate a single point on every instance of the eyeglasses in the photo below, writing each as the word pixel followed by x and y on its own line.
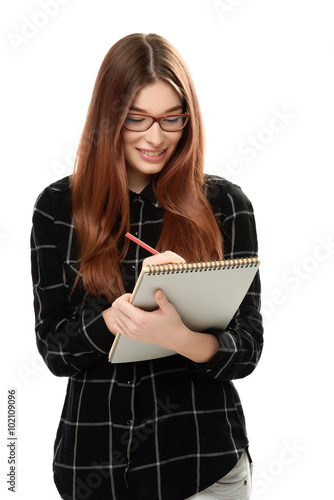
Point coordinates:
pixel 136 122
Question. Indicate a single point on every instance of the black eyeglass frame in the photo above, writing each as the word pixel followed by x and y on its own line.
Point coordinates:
pixel 158 119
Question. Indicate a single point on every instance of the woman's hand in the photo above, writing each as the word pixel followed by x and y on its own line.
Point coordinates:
pixel 108 316
pixel 163 326
pixel 158 327
pixel 167 257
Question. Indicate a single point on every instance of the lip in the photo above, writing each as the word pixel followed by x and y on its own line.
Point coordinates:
pixel 155 158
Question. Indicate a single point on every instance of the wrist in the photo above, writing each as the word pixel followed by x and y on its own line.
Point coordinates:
pixel 199 347
pixel 108 317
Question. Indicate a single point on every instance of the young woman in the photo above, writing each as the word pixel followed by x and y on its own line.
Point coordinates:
pixel 170 428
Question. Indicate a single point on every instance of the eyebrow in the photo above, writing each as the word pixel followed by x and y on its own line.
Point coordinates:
pixel 139 110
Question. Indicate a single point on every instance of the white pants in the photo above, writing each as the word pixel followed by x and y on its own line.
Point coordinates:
pixel 236 485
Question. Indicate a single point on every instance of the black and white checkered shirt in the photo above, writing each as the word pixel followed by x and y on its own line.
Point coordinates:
pixel 153 430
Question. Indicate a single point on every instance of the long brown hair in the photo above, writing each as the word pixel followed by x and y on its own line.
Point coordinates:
pixel 99 183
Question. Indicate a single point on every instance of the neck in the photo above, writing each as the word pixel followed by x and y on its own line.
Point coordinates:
pixel 137 183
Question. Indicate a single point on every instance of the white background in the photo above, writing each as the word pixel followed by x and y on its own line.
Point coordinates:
pixel 252 61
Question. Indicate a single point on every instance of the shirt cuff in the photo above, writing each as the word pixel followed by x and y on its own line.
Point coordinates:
pixel 95 331
pixel 221 359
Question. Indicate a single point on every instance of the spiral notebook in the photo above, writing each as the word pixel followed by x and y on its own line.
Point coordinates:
pixel 205 294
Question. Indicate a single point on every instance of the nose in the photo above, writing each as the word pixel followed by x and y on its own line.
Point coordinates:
pixel 155 135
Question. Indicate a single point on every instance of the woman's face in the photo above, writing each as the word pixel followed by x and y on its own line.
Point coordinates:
pixel 146 153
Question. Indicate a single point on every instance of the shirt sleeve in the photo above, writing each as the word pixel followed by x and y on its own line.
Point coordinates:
pixel 70 337
pixel 241 343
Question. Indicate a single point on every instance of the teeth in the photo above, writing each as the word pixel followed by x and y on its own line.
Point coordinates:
pixel 150 153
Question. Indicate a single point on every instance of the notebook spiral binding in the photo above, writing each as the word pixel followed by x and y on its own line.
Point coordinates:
pixel 186 267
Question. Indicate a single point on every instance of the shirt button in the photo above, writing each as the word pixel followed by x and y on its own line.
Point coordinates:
pixel 136 233
pixel 208 371
pixel 133 268
pixel 129 422
pixel 129 382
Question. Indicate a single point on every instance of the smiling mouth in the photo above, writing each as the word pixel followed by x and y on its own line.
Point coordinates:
pixel 152 153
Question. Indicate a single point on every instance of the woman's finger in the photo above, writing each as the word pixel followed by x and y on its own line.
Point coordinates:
pixel 167 257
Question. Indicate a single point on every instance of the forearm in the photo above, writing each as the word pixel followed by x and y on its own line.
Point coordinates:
pixel 196 346
pixel 70 338
pixel 240 347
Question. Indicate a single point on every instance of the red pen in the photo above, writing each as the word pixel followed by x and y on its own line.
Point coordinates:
pixel 142 244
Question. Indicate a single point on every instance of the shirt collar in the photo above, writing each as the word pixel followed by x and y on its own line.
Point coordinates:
pixel 146 194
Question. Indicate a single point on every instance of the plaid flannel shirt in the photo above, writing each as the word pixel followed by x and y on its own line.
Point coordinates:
pixel 163 429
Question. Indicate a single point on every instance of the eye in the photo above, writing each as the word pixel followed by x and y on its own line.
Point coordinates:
pixel 172 119
pixel 134 119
